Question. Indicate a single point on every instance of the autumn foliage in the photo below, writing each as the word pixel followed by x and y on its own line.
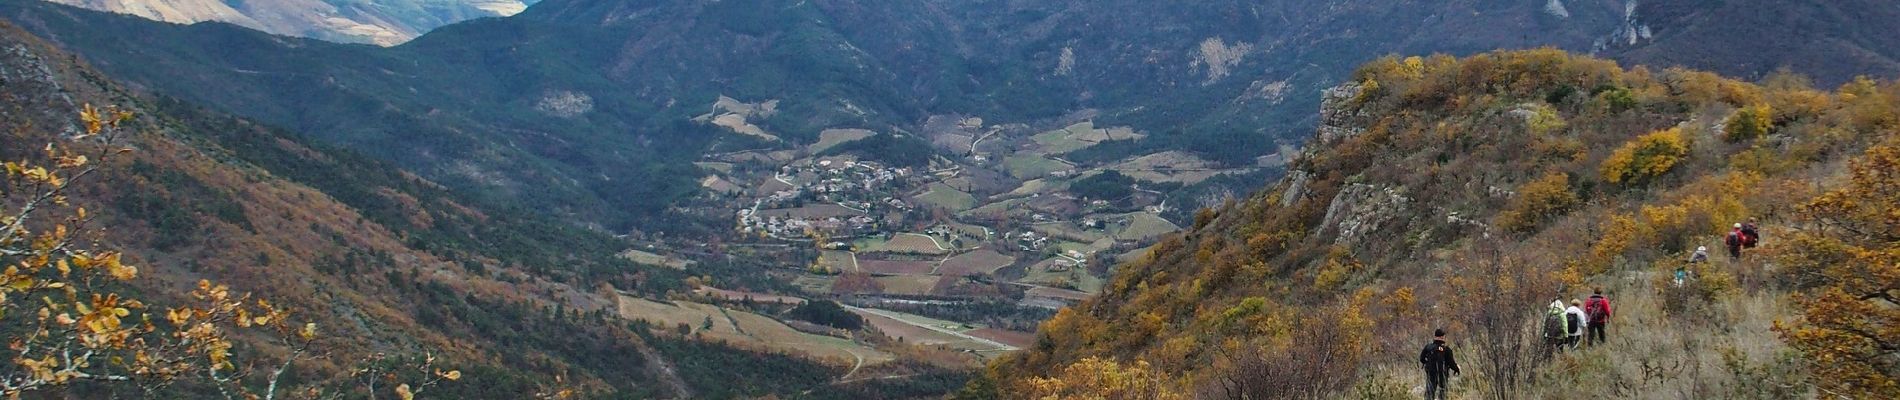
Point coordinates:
pixel 1104 379
pixel 1467 193
pixel 1645 157
pixel 1538 201
pixel 1848 270
pixel 72 320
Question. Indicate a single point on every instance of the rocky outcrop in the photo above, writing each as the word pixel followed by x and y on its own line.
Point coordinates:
pixel 1360 209
pixel 565 104
pixel 1295 187
pixel 1336 114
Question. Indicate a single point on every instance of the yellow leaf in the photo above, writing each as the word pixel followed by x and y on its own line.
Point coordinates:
pixel 402 391
pixel 309 331
pixel 90 117
pixel 178 317
pixel 453 375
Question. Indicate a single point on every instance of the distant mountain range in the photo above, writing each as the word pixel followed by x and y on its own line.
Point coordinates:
pixel 474 105
pixel 380 22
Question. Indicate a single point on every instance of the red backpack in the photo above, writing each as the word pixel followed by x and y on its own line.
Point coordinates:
pixel 1598 308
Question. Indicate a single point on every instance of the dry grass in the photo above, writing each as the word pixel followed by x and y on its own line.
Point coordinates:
pixel 1728 350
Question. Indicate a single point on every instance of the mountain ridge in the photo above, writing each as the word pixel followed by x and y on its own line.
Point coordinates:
pixel 1228 92
pixel 383 22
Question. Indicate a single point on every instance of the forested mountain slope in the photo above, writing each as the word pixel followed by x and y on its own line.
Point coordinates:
pixel 389 267
pixel 566 105
pixel 1467 194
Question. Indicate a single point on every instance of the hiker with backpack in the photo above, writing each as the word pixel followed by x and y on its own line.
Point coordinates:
pixel 1439 365
pixel 1750 234
pixel 1574 321
pixel 1556 329
pixel 1734 242
pixel 1597 310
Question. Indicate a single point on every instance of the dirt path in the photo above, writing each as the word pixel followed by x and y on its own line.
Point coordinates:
pixel 854 367
pixel 979 139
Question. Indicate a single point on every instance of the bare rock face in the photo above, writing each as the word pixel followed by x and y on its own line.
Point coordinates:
pixel 1360 209
pixel 1295 187
pixel 565 104
pixel 1336 116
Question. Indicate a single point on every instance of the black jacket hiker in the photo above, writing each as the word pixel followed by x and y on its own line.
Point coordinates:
pixel 1439 365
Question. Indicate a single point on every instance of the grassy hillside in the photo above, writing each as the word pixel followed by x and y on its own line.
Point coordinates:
pixel 1467 194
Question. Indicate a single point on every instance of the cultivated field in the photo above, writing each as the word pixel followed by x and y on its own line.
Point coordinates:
pixel 734 295
pixel 748 328
pixel 916 285
pixel 832 137
pixel 837 260
pixel 1079 136
pixel 817 284
pixel 948 198
pixel 916 329
pixel 647 258
pixel 895 267
pixel 1034 186
pixel 1172 166
pixel 1001 208
pixel 1066 230
pixel 1031 166
pixel 1062 272
pixel 904 243
pixel 983 261
pixel 1143 226
pixel 818 211
pixel 1012 338
pixel 912 334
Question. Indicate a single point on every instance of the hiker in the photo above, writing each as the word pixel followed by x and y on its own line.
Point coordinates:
pixel 1556 330
pixel 1576 321
pixel 1682 271
pixel 1750 234
pixel 1439 365
pixel 1598 312
pixel 1734 242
